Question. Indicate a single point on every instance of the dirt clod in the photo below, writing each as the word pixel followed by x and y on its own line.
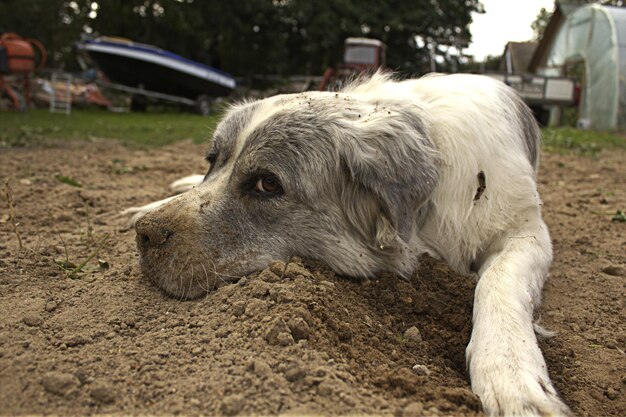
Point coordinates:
pixel 256 308
pixel 279 334
pixel 294 373
pixel 614 270
pixel 103 393
pixel 60 383
pixel 232 405
pixel 51 306
pixel 268 276
pixel 32 320
pixel 299 328
pixel 414 409
pixel 413 334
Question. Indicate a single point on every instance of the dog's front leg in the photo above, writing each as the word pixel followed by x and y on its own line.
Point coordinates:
pixel 506 366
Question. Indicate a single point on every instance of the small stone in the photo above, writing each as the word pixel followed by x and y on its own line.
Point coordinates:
pixel 611 343
pixel 421 370
pixel 614 270
pixel 197 350
pixel 51 306
pixel 610 393
pixel 413 334
pixel 103 393
pixel 32 320
pixel 60 383
pixel 232 405
pixel 414 409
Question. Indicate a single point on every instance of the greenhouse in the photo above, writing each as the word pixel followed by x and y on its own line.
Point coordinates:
pixel 589 44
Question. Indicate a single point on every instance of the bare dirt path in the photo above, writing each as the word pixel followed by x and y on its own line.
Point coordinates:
pixel 104 341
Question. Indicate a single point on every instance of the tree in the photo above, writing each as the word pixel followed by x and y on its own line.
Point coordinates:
pixel 247 37
pixel 540 23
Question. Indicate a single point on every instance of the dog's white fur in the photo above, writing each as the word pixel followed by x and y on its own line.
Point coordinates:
pixel 473 128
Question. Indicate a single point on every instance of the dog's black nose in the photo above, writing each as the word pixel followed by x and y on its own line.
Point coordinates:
pixel 151 234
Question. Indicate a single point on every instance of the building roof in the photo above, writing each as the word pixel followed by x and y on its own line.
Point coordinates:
pixel 516 56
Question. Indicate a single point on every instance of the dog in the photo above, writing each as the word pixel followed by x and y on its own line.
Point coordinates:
pixel 367 179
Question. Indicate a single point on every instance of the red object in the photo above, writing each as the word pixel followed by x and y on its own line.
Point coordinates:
pixel 17 56
pixel 361 56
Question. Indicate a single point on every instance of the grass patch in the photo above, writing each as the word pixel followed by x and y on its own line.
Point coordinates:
pixel 161 128
pixel 134 129
pixel 585 142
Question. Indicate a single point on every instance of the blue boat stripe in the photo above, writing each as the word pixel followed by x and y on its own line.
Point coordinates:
pixel 168 59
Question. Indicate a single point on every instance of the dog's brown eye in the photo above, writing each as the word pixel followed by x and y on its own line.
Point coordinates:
pixel 268 185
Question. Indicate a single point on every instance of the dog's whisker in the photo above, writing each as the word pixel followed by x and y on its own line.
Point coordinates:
pixel 206 278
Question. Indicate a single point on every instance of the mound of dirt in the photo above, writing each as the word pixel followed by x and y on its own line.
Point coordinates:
pixel 291 339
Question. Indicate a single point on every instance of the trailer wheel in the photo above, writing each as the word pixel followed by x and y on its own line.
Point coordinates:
pixel 203 105
pixel 138 103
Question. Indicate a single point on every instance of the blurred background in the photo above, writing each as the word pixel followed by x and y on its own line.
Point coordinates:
pixel 567 59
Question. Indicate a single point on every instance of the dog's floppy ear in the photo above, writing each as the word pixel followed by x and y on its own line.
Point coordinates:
pixel 392 171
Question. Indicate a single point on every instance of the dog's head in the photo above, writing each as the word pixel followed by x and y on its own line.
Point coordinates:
pixel 334 176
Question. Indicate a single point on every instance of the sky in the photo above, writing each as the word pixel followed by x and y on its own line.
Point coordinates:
pixel 503 21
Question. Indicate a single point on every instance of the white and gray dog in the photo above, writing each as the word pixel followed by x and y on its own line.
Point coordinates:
pixel 366 180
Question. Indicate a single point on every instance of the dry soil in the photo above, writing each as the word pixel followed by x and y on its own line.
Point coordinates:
pixel 295 340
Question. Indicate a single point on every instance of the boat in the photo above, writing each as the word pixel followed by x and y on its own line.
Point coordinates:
pixel 152 69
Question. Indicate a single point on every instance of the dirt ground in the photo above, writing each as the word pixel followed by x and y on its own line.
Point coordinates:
pixel 303 342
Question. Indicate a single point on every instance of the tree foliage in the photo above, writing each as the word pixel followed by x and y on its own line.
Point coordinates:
pixel 540 23
pixel 247 37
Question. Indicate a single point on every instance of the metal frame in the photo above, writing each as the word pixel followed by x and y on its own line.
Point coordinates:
pixel 147 93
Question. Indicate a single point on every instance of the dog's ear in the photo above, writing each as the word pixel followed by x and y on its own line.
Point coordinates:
pixel 391 167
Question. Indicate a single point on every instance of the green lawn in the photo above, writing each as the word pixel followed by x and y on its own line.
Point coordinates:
pixel 155 129
pixel 585 142
pixel 134 129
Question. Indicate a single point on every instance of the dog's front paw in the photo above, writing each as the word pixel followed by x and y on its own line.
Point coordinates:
pixel 509 385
